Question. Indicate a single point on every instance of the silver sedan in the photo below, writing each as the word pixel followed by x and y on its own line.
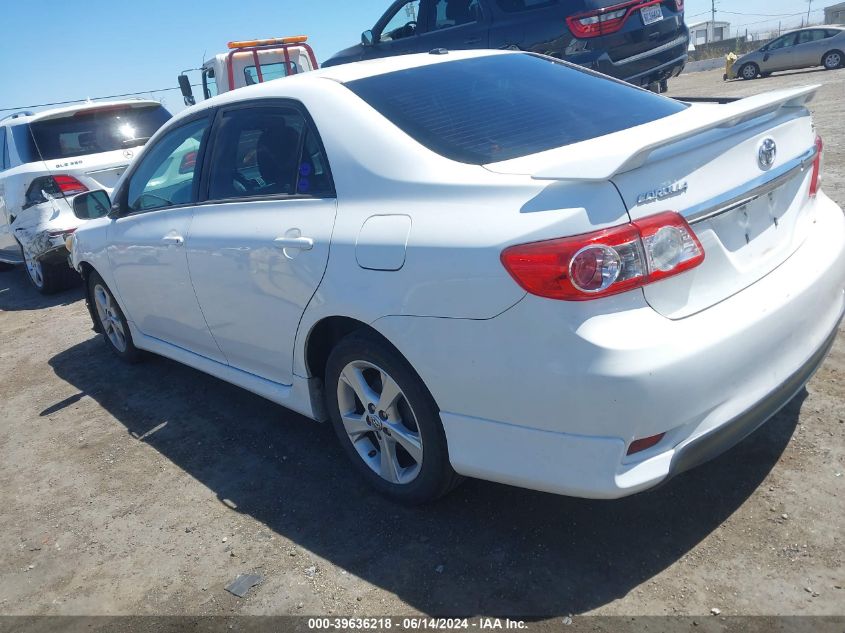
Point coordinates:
pixel 805 48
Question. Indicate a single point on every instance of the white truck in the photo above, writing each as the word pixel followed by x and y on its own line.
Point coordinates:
pixel 251 62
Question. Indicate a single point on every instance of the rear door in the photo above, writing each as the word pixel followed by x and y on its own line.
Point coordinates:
pixel 147 242
pixel 259 245
pixel 809 50
pixel 8 247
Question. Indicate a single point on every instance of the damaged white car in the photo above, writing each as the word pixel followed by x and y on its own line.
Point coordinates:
pixel 48 158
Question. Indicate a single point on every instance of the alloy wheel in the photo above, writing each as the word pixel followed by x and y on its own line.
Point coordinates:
pixel 833 60
pixel 380 422
pixel 110 318
pixel 749 72
pixel 34 269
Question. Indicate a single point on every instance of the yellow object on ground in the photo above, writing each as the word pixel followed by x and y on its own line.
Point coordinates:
pixel 730 60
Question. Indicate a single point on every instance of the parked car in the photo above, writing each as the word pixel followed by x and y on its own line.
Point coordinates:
pixel 641 41
pixel 492 264
pixel 51 156
pixel 805 48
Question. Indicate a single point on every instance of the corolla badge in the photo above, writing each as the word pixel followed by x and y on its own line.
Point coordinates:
pixel 661 193
pixel 767 154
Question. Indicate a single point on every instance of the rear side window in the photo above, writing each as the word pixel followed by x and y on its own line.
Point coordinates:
pixel 95 131
pixel 515 6
pixel 4 160
pixel 20 146
pixel 499 107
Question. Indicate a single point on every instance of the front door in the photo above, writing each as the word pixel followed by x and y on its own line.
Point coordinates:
pixel 454 25
pixel 259 245
pixel 147 243
pixel 398 31
pixel 780 54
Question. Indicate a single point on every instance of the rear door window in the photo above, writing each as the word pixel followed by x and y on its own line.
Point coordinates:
pixel 96 131
pixel 494 108
pixel 449 13
pixel 266 151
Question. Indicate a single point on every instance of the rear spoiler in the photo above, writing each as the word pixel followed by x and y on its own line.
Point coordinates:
pixel 603 158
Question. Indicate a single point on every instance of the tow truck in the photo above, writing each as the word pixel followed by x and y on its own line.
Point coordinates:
pixel 251 62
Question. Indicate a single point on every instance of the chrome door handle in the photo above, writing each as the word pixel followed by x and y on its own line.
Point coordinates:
pixel 173 240
pixel 302 243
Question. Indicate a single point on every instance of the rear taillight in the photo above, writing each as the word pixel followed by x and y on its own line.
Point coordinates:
pixel 606 262
pixel 608 20
pixel 68 185
pixel 816 178
pixel 597 23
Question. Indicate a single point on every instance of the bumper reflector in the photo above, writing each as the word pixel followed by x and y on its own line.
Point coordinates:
pixel 638 446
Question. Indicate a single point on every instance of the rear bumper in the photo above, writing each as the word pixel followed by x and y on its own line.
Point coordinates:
pixel 551 393
pixel 725 437
pixel 658 64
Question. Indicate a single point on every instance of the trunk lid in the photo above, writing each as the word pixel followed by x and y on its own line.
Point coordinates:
pixel 705 164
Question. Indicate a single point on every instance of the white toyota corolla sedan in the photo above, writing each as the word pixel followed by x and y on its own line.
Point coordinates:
pixel 488 264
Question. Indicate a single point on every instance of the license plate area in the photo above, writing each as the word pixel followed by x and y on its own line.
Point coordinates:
pixel 652 14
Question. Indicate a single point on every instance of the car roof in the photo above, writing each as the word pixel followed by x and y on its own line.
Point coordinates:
pixel 72 109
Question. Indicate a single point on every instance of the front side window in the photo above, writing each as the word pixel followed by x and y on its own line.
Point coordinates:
pixel 266 151
pixel 494 108
pixel 403 23
pixel 449 13
pixel 166 175
pixel 784 42
pixel 101 130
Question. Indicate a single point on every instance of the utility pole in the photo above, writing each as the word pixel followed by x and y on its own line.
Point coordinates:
pixel 711 30
pixel 809 9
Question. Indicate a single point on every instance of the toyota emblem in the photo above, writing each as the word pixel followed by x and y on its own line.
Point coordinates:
pixel 767 153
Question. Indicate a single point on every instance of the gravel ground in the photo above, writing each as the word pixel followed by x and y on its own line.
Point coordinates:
pixel 147 489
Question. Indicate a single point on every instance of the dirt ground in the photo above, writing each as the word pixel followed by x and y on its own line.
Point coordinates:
pixel 147 489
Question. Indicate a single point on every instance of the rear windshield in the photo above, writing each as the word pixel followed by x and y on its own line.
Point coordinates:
pixel 498 107
pixel 95 131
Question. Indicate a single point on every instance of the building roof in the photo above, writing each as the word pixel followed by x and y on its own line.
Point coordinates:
pixel 835 7
pixel 706 22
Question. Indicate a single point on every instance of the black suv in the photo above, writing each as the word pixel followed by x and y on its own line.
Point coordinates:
pixel 643 42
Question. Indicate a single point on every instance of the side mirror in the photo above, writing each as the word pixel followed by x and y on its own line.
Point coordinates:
pixel 92 205
pixel 368 39
pixel 187 91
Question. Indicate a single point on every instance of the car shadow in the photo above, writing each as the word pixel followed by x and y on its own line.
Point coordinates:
pixel 503 550
pixel 17 294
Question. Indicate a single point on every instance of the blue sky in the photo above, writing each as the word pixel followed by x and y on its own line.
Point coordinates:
pixel 92 48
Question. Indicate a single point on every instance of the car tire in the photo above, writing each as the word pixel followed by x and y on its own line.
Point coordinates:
pixel 749 71
pixel 49 278
pixel 833 60
pixel 110 320
pixel 399 449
